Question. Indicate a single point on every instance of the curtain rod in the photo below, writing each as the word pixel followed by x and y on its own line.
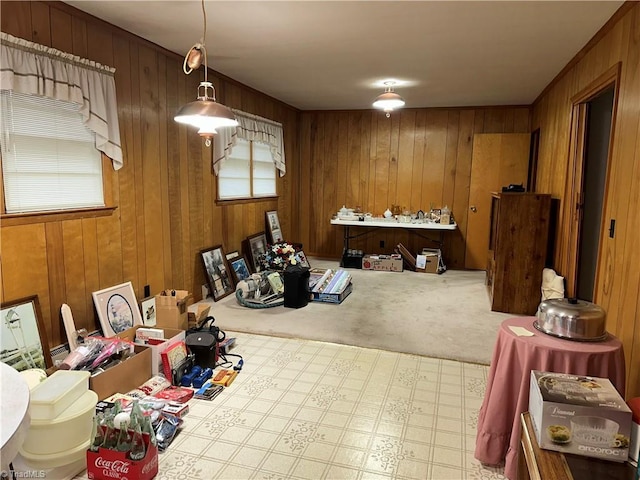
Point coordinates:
pixel 255 117
pixel 36 48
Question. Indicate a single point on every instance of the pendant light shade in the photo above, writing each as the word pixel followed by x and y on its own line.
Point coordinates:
pixel 389 100
pixel 205 113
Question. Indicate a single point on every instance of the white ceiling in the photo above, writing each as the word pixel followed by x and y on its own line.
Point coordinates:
pixel 325 55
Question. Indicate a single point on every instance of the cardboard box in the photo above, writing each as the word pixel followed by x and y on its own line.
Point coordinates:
pixel 336 298
pixel 127 375
pixel 329 286
pixel 431 263
pixel 171 309
pixel 634 444
pixel 108 464
pixel 579 415
pixel 171 336
pixel 383 263
pixel 432 259
pixel 197 313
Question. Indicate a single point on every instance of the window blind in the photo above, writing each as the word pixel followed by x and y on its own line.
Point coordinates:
pixel 234 175
pixel 49 158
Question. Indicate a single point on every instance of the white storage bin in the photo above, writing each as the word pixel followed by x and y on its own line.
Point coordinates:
pixel 64 433
pixel 72 457
pixel 34 376
pixel 55 394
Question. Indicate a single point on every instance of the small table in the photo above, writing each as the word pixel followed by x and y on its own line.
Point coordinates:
pixel 507 393
pixel 537 464
pixel 392 223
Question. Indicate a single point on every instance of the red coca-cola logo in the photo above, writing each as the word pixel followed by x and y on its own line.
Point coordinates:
pixel 117 466
pixel 150 466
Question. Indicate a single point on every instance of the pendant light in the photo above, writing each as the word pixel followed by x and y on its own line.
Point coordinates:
pixel 204 113
pixel 389 100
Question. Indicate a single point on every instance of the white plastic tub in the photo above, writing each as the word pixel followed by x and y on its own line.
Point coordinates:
pixel 66 432
pixel 74 458
pixel 51 397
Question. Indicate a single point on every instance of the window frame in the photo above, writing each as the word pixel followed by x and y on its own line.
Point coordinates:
pixel 251 199
pixel 26 218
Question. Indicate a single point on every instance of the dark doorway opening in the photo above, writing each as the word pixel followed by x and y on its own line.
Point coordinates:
pixel 597 138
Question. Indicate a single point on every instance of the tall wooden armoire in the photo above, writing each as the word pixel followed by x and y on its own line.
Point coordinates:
pixel 517 250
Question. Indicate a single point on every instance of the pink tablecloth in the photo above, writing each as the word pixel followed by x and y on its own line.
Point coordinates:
pixel 507 394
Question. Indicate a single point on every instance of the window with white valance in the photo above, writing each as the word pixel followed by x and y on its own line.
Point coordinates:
pixel 58 113
pixel 34 69
pixel 247 157
pixel 251 128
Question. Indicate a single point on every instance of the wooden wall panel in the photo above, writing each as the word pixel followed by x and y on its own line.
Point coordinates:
pixel 618 277
pixel 416 159
pixel 25 270
pixel 333 158
pixel 74 272
pixel 165 193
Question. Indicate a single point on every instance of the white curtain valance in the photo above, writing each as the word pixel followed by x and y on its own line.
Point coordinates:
pixel 35 69
pixel 251 127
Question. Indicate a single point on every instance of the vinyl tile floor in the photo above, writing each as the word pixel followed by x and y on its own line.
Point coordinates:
pixel 303 409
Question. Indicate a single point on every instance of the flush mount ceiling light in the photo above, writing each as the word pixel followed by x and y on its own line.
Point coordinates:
pixel 204 113
pixel 389 100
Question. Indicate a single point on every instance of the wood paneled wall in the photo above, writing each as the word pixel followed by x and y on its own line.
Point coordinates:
pixel 165 193
pixel 618 275
pixel 416 159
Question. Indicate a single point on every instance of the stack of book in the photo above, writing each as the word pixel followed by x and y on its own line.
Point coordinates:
pixel 328 285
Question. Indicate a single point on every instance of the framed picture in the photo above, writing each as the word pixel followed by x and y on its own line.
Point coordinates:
pixel 216 269
pixel 303 259
pixel 24 343
pixel 240 268
pixel 117 308
pixel 148 310
pixel 232 255
pixel 273 226
pixel 257 247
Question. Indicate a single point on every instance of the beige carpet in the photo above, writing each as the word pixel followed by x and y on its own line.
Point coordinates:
pixel 443 316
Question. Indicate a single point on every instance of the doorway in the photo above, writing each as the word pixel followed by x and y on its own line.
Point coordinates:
pixel 497 160
pixel 599 116
pixel 591 129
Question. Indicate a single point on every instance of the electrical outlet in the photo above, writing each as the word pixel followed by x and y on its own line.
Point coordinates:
pixel 381 243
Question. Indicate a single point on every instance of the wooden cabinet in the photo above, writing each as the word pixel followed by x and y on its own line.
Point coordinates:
pixel 518 237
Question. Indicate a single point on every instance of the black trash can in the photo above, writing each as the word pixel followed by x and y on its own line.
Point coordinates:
pixel 296 286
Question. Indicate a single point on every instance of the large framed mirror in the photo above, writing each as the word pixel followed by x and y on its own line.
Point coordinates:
pixel 23 343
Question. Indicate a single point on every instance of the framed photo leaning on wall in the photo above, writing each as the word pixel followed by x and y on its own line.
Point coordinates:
pixel 117 308
pixel 216 270
pixel 148 309
pixel 23 343
pixel 257 248
pixel 273 227
pixel 240 268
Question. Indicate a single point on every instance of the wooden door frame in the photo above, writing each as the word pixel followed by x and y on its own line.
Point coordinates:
pixel 574 188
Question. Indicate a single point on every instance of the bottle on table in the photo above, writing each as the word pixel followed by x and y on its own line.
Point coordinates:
pixel 138 450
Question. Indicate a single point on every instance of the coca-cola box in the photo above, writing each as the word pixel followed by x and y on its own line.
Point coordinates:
pixel 580 415
pixel 108 464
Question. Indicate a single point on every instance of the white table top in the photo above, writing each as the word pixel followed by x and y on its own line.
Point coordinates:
pixel 15 419
pixel 393 224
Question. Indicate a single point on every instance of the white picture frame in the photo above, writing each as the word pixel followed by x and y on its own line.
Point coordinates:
pixel 273 227
pixel 117 308
pixel 148 311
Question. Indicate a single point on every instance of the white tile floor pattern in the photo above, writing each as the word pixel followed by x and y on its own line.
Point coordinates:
pixel 310 410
